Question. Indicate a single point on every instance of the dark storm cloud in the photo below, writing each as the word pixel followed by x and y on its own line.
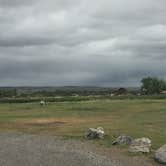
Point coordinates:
pixel 71 42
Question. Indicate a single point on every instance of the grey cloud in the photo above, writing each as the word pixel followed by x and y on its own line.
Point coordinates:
pixel 14 3
pixel 71 42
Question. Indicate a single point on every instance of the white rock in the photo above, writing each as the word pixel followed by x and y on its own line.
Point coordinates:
pixel 95 133
pixel 160 155
pixel 140 145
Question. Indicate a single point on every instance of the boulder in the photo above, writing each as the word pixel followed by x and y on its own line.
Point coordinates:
pixel 140 145
pixel 122 140
pixel 95 133
pixel 160 155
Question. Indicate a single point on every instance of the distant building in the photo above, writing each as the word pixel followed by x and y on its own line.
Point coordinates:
pixel 112 94
pixel 42 103
pixel 163 92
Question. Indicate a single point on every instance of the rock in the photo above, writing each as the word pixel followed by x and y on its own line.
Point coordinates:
pixel 140 145
pixel 160 155
pixel 95 133
pixel 123 140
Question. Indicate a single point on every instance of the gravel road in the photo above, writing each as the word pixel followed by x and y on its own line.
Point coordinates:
pixel 37 150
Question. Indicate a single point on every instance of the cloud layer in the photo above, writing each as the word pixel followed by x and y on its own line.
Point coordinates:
pixel 71 42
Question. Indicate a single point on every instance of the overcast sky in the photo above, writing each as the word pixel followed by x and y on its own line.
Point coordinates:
pixel 81 42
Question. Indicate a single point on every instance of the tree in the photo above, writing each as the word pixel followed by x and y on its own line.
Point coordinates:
pixel 121 91
pixel 152 85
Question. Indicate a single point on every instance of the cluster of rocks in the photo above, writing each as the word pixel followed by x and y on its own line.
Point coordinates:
pixel 142 145
pixel 135 145
pixel 138 145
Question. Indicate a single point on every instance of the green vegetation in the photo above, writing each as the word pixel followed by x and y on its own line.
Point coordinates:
pixel 137 118
pixel 79 98
pixel 47 99
pixel 7 92
pixel 152 85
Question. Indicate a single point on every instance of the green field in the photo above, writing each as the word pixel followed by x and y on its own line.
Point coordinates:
pixel 137 118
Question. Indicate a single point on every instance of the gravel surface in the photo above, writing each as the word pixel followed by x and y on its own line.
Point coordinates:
pixel 37 150
pixel 32 150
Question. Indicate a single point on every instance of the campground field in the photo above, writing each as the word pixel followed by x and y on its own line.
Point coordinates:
pixel 137 118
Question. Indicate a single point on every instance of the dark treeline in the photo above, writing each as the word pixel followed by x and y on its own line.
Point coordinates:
pixel 8 92
pixel 69 93
pixel 63 91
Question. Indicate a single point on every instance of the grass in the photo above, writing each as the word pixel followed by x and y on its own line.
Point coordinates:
pixel 137 118
pixel 78 98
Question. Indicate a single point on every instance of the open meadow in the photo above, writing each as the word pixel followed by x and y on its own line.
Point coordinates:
pixel 137 118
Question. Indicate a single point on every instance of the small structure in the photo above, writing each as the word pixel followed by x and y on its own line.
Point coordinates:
pixel 42 103
pixel 112 94
pixel 163 92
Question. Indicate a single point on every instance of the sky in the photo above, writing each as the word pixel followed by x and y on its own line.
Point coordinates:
pixel 81 42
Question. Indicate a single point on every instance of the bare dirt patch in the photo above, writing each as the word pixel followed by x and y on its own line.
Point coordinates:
pixel 44 122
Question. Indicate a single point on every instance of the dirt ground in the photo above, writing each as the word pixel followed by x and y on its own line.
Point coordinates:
pixel 18 149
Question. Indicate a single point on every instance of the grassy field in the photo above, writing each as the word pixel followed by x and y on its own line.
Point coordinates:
pixel 137 118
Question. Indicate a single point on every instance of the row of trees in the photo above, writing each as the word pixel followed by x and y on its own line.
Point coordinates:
pixel 7 92
pixel 153 85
